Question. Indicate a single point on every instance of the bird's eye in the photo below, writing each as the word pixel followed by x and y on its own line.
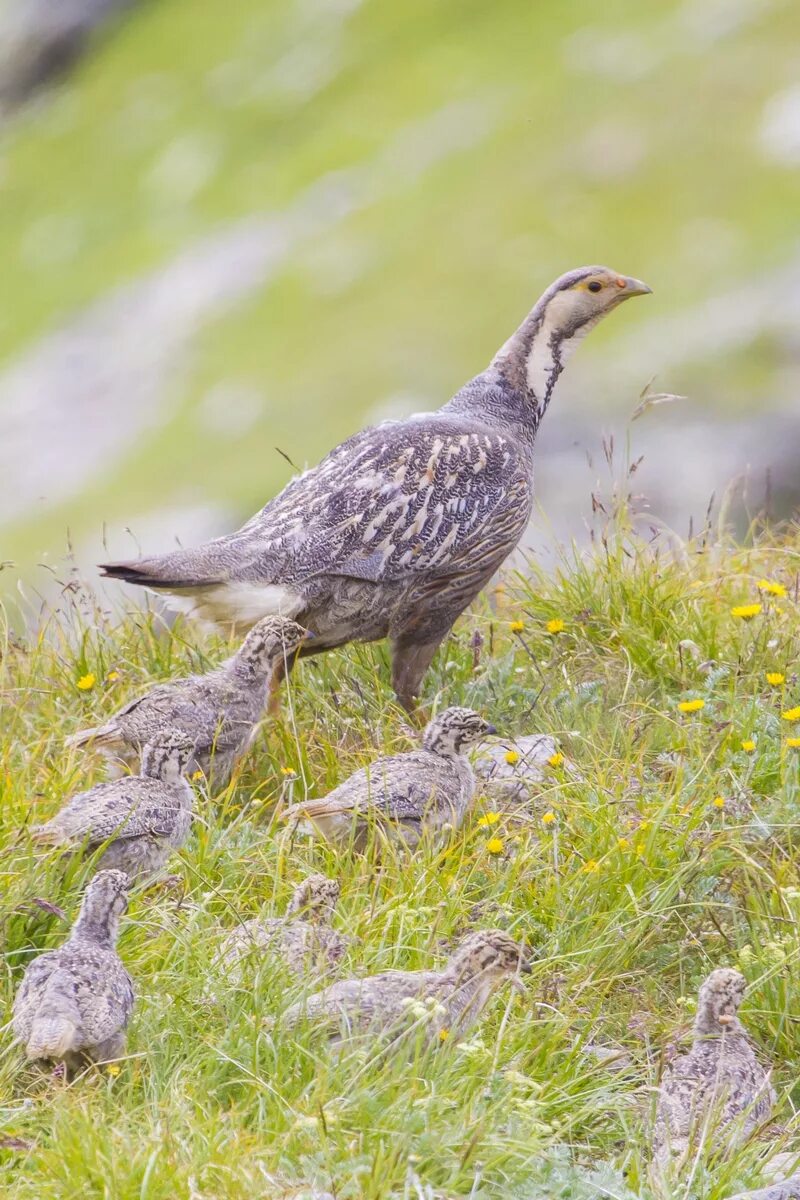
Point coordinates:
pixel 594 286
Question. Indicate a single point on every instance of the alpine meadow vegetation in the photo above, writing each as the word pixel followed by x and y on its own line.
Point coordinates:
pixel 661 843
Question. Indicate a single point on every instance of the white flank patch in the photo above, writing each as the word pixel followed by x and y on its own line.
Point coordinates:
pixel 238 605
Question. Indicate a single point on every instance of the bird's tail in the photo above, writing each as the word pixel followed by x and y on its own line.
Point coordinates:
pixel 103 736
pixel 55 1026
pixel 179 570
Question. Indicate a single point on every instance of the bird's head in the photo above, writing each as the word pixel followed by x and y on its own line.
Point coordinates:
pixel 535 355
pixel 167 755
pixel 455 730
pixel 272 640
pixel 490 953
pixel 316 898
pixel 719 1000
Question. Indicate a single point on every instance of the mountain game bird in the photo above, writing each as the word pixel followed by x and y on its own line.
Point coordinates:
pixel 397 530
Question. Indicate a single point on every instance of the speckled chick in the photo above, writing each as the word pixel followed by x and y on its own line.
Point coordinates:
pixel 143 817
pixel 220 711
pixel 74 1003
pixel 405 794
pixel 304 937
pixel 398 529
pixel 719 1083
pixel 451 1000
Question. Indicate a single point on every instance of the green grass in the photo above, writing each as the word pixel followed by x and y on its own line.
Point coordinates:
pixel 637 888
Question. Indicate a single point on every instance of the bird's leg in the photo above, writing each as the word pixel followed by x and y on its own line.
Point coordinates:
pixel 410 661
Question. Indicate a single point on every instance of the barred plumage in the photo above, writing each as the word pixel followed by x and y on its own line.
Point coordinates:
pixel 404 795
pixel 399 527
pixel 718 1092
pixel 453 998
pixel 74 1003
pixel 142 817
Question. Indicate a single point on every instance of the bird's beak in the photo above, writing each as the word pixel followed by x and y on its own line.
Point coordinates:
pixel 725 1019
pixel 309 635
pixel 628 286
pixel 490 729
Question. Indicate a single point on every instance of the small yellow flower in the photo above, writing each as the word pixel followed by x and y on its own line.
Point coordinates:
pixel 718 802
pixel 775 678
pixel 555 760
pixel 288 771
pixel 748 745
pixel 591 866
pixel 112 676
pixel 512 757
pixel 623 843
pixel 444 1034
pixel 548 818
pixel 495 845
pixel 490 818
pixel 745 611
pixel 791 714
pixel 197 775
pixel 86 681
pixel 555 626
pixel 517 626
pixel 113 1069
pixel 772 589
pixel 691 706
pixel 793 743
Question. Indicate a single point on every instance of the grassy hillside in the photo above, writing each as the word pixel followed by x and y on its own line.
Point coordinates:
pixel 669 850
pixel 431 167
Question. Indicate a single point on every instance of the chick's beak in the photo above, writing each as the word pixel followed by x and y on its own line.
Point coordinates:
pixel 725 1019
pixel 490 729
pixel 628 286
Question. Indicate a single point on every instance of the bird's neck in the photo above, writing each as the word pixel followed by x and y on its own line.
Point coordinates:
pixel 707 1028
pixel 536 353
pixel 98 927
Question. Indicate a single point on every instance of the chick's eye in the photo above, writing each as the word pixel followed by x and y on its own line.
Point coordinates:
pixel 594 286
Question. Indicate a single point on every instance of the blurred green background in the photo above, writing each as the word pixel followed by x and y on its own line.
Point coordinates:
pixel 238 229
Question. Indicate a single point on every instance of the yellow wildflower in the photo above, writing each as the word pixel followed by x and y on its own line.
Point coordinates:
pixel 113 1069
pixel 555 626
pixel 791 714
pixel 775 678
pixel 86 681
pixel 444 1034
pixel 548 818
pixel 512 757
pixel 517 626
pixel 718 802
pixel 555 760
pixel 748 745
pixel 623 843
pixel 745 611
pixel 591 865
pixel 772 589
pixel 288 771
pixel 793 743
pixel 197 775
pixel 495 845
pixel 490 818
pixel 691 706
pixel 112 676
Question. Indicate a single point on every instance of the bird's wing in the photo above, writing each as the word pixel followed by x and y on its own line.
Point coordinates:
pixel 402 499
pixel 392 787
pixel 439 493
pixel 124 808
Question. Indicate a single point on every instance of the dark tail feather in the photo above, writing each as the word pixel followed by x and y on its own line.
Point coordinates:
pixel 168 571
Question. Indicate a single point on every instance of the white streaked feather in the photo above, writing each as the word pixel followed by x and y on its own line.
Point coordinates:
pixel 237 603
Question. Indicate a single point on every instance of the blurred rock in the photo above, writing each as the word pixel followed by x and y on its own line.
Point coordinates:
pixel 517 780
pixel 40 40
